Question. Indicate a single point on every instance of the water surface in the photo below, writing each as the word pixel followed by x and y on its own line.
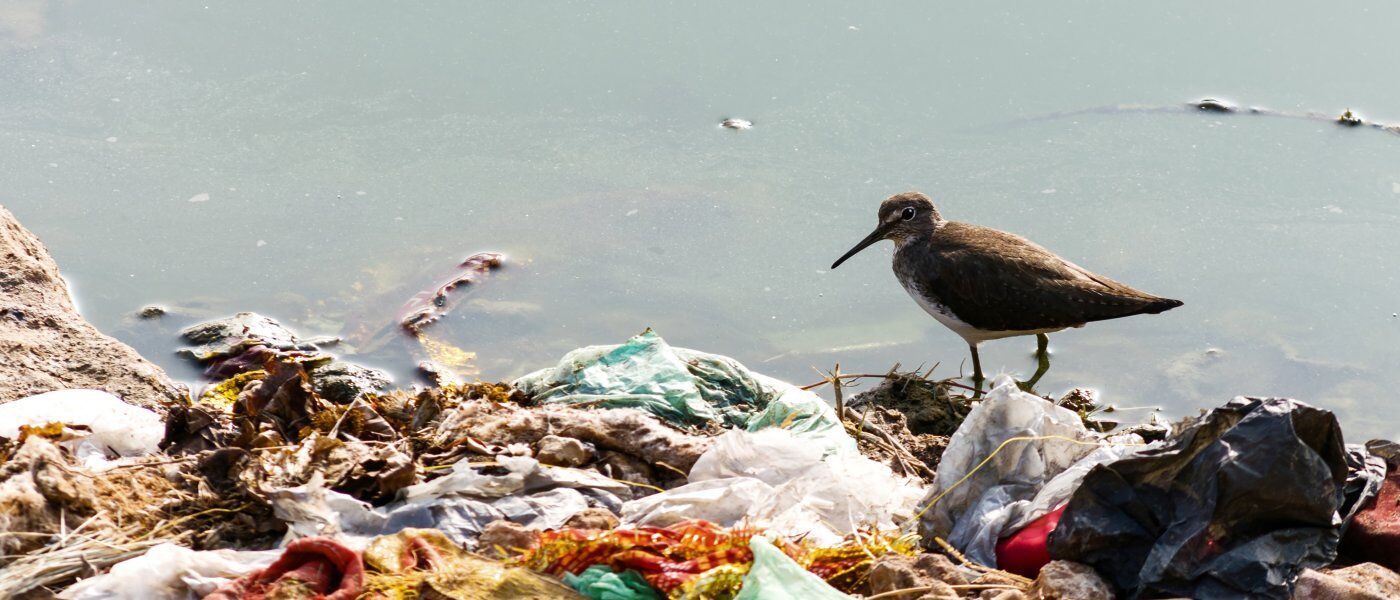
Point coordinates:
pixel 322 161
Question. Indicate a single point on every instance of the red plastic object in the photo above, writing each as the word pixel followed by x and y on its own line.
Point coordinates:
pixel 1027 550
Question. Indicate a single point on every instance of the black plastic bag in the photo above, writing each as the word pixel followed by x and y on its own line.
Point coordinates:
pixel 1236 505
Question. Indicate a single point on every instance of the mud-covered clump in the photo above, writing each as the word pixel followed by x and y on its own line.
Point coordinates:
pixel 918 413
pixel 926 405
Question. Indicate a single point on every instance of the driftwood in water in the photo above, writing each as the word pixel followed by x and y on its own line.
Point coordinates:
pixel 433 304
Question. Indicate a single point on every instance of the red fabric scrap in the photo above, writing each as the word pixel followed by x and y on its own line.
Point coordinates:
pixel 314 568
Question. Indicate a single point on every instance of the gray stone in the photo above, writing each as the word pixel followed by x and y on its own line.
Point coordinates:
pixel 1366 581
pixel 343 382
pixel 224 336
pixel 563 451
pixel 45 345
pixel 898 572
pixel 1065 580
pixel 941 568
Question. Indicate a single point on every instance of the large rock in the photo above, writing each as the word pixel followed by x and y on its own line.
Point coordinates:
pixel 932 574
pixel 46 345
pixel 1065 580
pixel 1366 581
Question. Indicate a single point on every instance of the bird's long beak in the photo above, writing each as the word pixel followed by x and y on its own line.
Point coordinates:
pixel 875 236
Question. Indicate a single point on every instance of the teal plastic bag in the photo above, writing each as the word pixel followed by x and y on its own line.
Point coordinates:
pixel 599 582
pixel 685 387
pixel 774 576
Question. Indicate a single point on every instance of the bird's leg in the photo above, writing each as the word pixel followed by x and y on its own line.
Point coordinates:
pixel 976 371
pixel 1042 355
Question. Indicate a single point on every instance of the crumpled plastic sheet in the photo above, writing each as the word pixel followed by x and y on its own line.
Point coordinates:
pixel 1365 476
pixel 170 572
pixel 778 480
pixel 460 504
pixel 1024 481
pixel 774 576
pixel 117 427
pixel 1236 505
pixel 685 387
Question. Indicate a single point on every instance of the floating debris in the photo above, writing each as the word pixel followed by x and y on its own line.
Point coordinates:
pixel 736 124
pixel 1213 105
pixel 1348 118
pixel 429 306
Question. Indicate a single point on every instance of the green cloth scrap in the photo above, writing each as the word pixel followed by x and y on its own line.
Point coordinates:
pixel 599 582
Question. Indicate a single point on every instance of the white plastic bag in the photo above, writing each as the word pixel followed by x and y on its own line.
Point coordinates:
pixel 170 572
pixel 118 428
pixel 1025 480
pixel 779 480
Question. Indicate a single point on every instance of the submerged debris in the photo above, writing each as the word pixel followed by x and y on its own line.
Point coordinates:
pixel 739 124
pixel 431 305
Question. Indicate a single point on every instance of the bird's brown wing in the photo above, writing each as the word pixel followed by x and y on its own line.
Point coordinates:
pixel 997 281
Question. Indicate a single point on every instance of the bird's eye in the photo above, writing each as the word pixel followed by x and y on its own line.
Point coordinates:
pixel 908 214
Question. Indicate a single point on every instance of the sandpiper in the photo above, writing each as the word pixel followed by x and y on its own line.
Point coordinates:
pixel 987 284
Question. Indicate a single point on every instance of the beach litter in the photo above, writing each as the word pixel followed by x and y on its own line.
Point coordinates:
pixel 646 471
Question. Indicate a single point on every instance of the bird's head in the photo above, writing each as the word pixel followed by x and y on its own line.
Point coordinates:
pixel 902 218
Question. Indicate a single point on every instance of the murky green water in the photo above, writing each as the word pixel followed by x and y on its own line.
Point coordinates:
pixel 321 162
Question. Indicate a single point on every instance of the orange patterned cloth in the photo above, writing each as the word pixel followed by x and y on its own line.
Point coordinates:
pixel 667 557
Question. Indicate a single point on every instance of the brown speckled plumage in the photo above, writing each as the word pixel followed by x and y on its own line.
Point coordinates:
pixel 996 281
pixel 986 284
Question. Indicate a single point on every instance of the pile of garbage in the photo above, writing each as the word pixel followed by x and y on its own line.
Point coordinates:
pixel 646 471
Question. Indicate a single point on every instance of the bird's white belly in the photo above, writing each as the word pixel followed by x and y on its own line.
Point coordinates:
pixel 971 334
